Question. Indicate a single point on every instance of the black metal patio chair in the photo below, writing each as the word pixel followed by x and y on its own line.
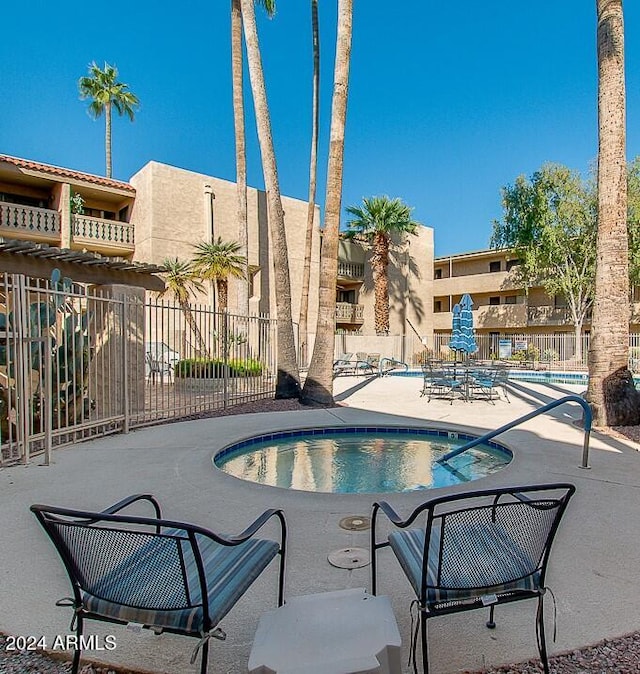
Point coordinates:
pixel 476 549
pixel 161 574
pixel 439 381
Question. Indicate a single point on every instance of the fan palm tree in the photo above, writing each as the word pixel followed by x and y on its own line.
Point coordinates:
pixel 105 92
pixel 288 379
pixel 217 261
pixel 611 392
pixel 313 171
pixel 318 386
pixel 377 223
pixel 241 155
pixel 182 284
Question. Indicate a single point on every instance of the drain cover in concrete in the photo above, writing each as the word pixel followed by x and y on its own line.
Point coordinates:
pixel 349 558
pixel 355 522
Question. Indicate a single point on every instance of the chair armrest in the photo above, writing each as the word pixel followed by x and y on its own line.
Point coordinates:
pixel 257 524
pixel 120 505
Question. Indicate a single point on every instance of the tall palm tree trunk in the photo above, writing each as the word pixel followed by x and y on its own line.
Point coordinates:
pixel 379 267
pixel 241 155
pixel 222 286
pixel 288 379
pixel 313 170
pixel 107 136
pixel 195 329
pixel 318 386
pixel 611 393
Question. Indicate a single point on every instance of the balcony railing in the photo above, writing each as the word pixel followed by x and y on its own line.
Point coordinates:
pixel 349 313
pixel 551 316
pixel 29 222
pixel 106 234
pixel 350 269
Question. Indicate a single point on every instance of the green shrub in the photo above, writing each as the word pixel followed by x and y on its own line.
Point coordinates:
pixel 211 368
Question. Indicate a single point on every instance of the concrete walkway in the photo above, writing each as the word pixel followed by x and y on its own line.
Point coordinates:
pixel 593 573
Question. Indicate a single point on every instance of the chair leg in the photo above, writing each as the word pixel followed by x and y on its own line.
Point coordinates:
pixel 205 657
pixel 491 622
pixel 542 642
pixel 425 650
pixel 78 650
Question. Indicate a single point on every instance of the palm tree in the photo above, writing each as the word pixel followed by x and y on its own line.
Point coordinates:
pixel 241 155
pixel 313 170
pixel 377 223
pixel 217 261
pixel 182 284
pixel 611 392
pixel 288 379
pixel 318 386
pixel 105 92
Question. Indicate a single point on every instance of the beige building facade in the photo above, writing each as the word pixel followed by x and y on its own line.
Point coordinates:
pixel 410 286
pixel 176 209
pixel 501 305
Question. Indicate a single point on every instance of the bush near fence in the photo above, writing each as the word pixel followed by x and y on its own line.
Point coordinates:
pixel 209 368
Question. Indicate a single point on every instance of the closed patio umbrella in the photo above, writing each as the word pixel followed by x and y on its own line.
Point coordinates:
pixel 467 334
pixel 456 342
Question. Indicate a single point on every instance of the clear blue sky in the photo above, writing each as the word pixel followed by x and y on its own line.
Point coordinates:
pixel 448 101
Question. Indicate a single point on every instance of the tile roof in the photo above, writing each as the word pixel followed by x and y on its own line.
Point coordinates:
pixel 66 173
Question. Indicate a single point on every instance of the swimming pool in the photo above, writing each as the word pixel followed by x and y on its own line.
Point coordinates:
pixel 534 376
pixel 359 459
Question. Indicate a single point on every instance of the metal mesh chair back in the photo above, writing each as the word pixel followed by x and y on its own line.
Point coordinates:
pixel 494 545
pixel 135 568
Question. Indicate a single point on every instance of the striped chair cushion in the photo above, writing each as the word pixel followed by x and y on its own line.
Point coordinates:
pixel 498 564
pixel 229 571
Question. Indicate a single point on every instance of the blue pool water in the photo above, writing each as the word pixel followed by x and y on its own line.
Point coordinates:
pixel 358 460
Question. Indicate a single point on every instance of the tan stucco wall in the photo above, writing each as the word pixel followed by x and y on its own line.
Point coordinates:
pixel 410 287
pixel 172 214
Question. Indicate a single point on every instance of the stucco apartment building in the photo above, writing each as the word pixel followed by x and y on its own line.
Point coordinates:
pixel 501 306
pixel 164 211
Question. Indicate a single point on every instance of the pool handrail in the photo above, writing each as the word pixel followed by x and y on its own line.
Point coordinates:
pixel 587 419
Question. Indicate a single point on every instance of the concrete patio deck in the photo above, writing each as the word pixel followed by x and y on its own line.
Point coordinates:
pixel 593 571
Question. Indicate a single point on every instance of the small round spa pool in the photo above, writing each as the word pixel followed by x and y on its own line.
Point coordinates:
pixel 360 459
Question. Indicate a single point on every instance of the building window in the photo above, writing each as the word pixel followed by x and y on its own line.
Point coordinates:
pixel 559 302
pixel 21 200
pixel 437 274
pixel 437 306
pixel 494 301
pixel 513 263
pixel 494 266
pixel 348 296
pixel 510 299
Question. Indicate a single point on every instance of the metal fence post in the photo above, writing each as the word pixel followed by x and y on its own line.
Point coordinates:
pixel 225 359
pixel 125 363
pixel 47 403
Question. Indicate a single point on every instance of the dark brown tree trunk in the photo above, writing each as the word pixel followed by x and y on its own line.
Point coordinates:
pixel 379 268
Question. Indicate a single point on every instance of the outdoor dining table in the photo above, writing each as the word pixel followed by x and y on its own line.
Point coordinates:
pixel 466 373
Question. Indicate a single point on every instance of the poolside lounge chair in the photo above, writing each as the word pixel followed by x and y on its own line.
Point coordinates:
pixel 477 549
pixel 343 365
pixel 163 575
